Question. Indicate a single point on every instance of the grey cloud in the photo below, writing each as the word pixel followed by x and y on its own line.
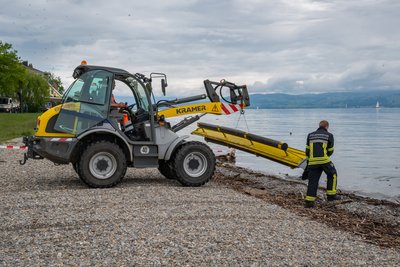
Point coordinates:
pixel 361 76
pixel 271 45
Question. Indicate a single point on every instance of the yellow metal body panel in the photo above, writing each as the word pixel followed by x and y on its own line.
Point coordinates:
pixel 46 116
pixel 212 107
pixel 291 157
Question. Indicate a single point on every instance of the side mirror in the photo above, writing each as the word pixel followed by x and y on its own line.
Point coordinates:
pixel 163 86
pixel 163 77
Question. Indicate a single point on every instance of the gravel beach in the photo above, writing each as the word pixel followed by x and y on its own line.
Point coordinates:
pixel 48 217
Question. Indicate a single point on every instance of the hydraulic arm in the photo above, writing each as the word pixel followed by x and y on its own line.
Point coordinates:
pixel 237 100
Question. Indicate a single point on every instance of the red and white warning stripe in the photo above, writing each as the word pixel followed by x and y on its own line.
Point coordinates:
pixel 51 139
pixel 60 139
pixel 229 108
pixel 13 147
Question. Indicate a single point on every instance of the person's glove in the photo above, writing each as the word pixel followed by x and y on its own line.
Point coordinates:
pixel 304 176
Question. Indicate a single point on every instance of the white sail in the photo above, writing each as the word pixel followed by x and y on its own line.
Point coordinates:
pixel 377 104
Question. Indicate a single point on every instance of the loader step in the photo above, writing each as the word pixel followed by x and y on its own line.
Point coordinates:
pixel 258 145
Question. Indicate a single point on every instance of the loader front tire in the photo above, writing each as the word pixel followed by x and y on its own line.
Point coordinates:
pixel 102 164
pixel 194 164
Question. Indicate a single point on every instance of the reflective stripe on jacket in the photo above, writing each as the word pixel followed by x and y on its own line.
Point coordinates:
pixel 319 147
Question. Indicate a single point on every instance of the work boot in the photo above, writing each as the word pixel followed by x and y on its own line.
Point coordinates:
pixel 309 204
pixel 333 198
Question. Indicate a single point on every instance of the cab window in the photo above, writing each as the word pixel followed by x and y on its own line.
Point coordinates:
pixel 91 87
pixel 123 93
pixel 86 102
pixel 140 94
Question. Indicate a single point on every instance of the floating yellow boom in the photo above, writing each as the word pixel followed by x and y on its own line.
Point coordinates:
pixel 251 143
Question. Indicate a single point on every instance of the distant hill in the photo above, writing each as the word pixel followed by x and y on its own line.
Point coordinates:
pixel 327 100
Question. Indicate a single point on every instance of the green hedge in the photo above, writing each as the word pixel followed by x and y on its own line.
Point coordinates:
pixel 14 125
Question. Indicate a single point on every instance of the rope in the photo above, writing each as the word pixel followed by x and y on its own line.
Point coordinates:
pixel 244 117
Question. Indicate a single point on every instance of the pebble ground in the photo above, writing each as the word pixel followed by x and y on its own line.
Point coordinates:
pixel 48 217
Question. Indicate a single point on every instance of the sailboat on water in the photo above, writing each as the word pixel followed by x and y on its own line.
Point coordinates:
pixel 377 105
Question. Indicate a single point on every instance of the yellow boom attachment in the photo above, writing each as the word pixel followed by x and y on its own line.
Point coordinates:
pixel 216 108
pixel 264 147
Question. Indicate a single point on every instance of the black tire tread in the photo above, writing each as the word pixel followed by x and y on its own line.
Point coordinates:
pixel 87 150
pixel 179 156
pixel 166 169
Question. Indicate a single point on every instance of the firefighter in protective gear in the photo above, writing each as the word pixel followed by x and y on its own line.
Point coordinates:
pixel 318 149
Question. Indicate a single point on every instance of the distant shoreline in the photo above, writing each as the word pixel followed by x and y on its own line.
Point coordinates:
pixel 367 99
pixel 251 107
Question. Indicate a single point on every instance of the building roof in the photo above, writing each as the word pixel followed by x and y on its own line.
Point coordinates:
pixel 52 90
pixel 32 69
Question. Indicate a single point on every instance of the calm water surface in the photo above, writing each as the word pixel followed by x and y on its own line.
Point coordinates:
pixel 367 144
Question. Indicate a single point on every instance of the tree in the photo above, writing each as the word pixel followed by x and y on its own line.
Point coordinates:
pixel 34 91
pixel 16 80
pixel 55 81
pixel 11 71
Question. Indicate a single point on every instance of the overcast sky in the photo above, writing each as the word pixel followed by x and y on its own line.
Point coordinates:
pixel 273 46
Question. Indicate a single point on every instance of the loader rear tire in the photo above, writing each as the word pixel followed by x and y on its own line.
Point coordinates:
pixel 166 169
pixel 102 164
pixel 194 164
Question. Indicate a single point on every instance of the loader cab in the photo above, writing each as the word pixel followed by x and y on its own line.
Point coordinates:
pixel 89 103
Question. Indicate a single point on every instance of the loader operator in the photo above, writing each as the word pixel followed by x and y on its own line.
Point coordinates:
pixel 318 149
pixel 114 103
pixel 126 120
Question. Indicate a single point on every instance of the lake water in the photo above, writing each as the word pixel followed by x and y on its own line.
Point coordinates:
pixel 367 144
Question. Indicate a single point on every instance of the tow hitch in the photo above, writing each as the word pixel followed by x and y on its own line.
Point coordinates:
pixel 29 142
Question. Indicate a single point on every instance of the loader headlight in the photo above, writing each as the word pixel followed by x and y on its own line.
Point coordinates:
pixel 37 123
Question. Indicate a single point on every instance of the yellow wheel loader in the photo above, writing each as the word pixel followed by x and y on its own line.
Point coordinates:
pixel 101 138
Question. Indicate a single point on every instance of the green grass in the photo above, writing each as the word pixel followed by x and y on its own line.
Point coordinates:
pixel 14 125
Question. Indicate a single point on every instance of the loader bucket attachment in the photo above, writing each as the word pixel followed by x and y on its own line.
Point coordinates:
pixel 254 144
